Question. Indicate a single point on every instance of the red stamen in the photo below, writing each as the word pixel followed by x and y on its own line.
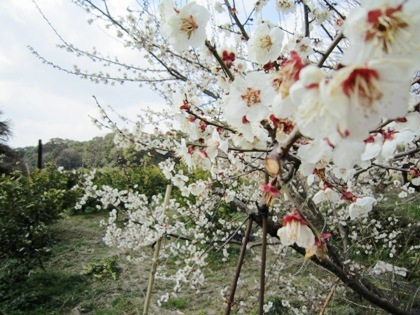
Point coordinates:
pixel 352 82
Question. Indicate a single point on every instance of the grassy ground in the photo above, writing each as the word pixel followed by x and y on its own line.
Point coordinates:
pixel 67 287
pixel 64 287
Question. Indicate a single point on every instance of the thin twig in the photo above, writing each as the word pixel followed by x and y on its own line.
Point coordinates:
pixel 263 262
pixel 293 137
pixel 235 17
pixel 332 7
pixel 238 267
pixel 324 307
pixel 330 36
pixel 306 16
pixel 410 152
pixel 337 39
pixel 208 122
pixel 219 59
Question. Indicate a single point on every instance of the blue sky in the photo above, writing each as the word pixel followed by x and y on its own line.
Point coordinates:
pixel 45 103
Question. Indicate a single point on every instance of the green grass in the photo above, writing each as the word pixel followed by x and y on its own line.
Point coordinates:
pixel 176 304
pixel 63 289
pixel 46 292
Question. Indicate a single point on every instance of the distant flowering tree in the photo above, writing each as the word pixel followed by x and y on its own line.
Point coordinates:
pixel 295 110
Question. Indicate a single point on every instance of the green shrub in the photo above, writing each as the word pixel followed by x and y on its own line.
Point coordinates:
pixel 28 206
pixel 105 268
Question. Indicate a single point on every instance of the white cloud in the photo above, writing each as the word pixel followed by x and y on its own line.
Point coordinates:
pixel 43 102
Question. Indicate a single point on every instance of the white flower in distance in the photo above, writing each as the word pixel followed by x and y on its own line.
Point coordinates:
pixel 197 188
pixel 326 194
pixel 251 135
pixel 295 230
pixel 302 45
pixel 199 158
pixel 265 44
pixel 285 6
pixel 414 173
pixel 214 144
pixel 384 28
pixel 179 180
pixel 361 207
pixel 360 96
pixel 186 27
pixel 248 99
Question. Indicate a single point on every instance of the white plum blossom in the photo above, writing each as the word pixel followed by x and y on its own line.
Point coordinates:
pixel 295 230
pixel 411 122
pixel 384 29
pixel 283 80
pixel 416 181
pixel 316 154
pixel 373 147
pixel 342 173
pixel 229 195
pixel 179 180
pixel 326 194
pixel 285 6
pixel 320 14
pixel 252 135
pixel 382 146
pixel 197 188
pixel 215 144
pixel 392 139
pixel 167 167
pixel 312 116
pixel 248 100
pixel 185 27
pixel 361 207
pixel 302 45
pixel 184 152
pixel 360 96
pixel 200 158
pixel 265 44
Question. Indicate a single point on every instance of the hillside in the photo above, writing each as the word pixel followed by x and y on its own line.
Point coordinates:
pixel 70 154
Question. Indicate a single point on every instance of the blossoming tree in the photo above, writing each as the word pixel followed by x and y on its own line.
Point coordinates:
pixel 296 111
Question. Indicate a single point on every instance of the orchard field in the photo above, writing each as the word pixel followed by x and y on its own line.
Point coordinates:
pixel 66 268
pixel 277 174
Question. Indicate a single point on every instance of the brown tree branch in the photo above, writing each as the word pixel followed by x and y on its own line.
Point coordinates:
pixel 219 59
pixel 306 17
pixel 232 12
pixel 402 154
pixel 332 7
pixel 327 53
pixel 208 122
pixel 238 267
pixel 330 36
pixel 264 213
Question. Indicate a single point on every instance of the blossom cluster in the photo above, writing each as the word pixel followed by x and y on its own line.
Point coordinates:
pixel 338 112
pixel 319 106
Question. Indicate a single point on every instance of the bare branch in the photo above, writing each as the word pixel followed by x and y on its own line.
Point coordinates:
pixel 232 12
